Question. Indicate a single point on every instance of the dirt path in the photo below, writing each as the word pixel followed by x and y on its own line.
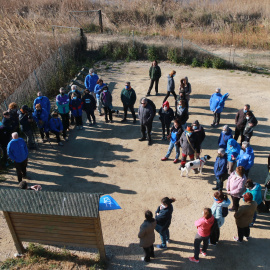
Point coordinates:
pixel 109 158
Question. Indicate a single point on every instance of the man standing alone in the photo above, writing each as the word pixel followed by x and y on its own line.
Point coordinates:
pixel 17 151
pixel 154 74
pixel 128 98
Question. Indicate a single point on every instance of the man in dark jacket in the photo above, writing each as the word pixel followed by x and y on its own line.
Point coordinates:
pixel 240 122
pixel 128 98
pixel 89 106
pixel 250 124
pixel 220 169
pixel 25 119
pixel 18 152
pixel 146 115
pixel 154 74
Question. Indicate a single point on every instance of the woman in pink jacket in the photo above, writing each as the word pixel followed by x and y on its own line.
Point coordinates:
pixel 204 226
pixel 236 186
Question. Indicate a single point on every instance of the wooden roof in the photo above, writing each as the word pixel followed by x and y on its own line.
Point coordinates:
pixel 49 202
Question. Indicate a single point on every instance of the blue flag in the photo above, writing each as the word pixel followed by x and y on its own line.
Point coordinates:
pixel 106 202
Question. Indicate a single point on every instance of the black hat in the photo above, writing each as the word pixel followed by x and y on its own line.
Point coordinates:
pixel 25 108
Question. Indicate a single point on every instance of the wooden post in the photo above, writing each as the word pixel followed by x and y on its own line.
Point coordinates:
pixel 100 21
pixel 17 241
pixel 100 242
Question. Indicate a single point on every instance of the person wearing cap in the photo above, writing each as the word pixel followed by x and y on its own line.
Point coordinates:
pixel 89 106
pixel 174 136
pixel 220 169
pixel 170 85
pixel 128 98
pixel 62 102
pixel 25 120
pixel 98 88
pixel 189 144
pixel 166 116
pixel 146 115
pixel 56 127
pixel 243 217
pixel 41 118
pixel 241 121
pixel 75 106
pixel 217 103
pixel 199 130
pixel 43 101
pixel 18 152
pixel 224 136
pixel 154 74
pixel 91 81
pixel 246 157
pixel 106 100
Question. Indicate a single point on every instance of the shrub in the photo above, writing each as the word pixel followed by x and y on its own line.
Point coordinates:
pixel 218 63
pixel 207 63
pixel 132 54
pixel 195 63
pixel 152 53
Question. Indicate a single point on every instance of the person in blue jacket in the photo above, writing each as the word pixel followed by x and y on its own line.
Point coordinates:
pixel 220 169
pixel 232 150
pixel 18 152
pixel 41 117
pixel 246 157
pixel 97 91
pixel 56 127
pixel 91 81
pixel 43 101
pixel 224 136
pixel 217 102
pixel 164 218
pixel 256 190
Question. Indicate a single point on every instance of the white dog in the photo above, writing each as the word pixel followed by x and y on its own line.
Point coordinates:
pixel 194 164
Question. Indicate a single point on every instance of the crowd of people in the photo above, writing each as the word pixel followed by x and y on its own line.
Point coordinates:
pixel 233 161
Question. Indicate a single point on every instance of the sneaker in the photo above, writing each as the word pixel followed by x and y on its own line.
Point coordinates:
pixel 163 159
pixel 81 127
pixel 192 259
pixel 161 247
pixel 123 120
pixel 60 143
pixel 176 160
pixel 203 253
pixel 236 239
pixel 247 238
pixel 78 127
pixel 142 139
pixel 143 259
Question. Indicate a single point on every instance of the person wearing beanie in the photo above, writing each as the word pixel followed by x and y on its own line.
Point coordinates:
pixel 220 169
pixel 170 86
pixel 199 130
pixel 154 74
pixel 189 144
pixel 128 98
pixel 166 116
pixel 224 136
pixel 217 102
pixel 243 217
pixel 174 137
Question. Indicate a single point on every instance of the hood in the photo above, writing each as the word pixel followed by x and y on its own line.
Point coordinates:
pixel 232 142
pixel 166 103
pixel 249 150
pixel 224 97
pixel 209 221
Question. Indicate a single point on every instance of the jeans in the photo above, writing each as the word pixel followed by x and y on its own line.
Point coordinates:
pixel 177 150
pixel 99 105
pixel 21 169
pixel 152 84
pixel 220 179
pixel 168 94
pixel 132 111
pixel 149 252
pixel 30 137
pixel 243 232
pixel 164 235
pixel 197 244
pixel 254 218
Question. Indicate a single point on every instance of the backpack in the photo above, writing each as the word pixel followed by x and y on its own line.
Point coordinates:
pixel 225 211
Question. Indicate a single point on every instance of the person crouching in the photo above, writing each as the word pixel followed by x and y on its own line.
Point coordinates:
pixel 56 127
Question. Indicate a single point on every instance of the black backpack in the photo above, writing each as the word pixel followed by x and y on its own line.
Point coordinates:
pixel 225 211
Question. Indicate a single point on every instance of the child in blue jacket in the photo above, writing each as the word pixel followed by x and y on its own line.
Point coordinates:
pixel 220 169
pixel 233 150
pixel 41 117
pixel 56 127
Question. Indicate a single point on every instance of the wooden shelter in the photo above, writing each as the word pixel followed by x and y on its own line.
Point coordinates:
pixel 53 218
